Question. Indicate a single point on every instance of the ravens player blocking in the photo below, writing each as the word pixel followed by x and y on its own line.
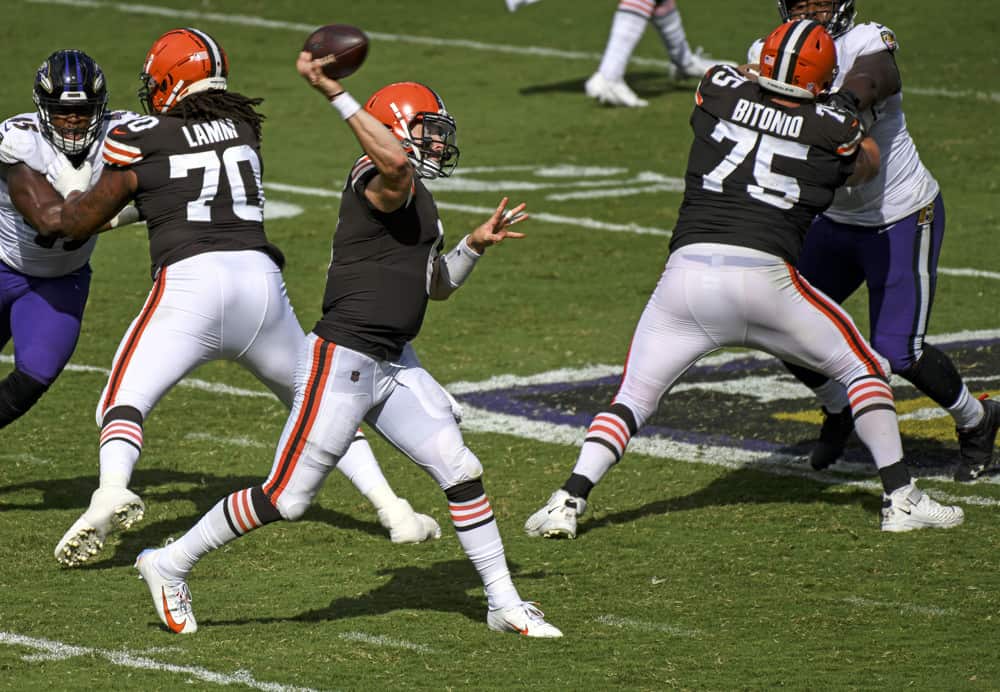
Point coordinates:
pixel 387 262
pixel 44 281
pixel 886 232
pixel 765 160
pixel 193 167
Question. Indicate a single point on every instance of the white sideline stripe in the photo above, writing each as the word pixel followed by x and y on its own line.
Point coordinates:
pixel 906 607
pixel 261 22
pixel 580 222
pixel 379 640
pixel 189 382
pixel 968 272
pixel 48 650
pixel 480 420
pixel 643 626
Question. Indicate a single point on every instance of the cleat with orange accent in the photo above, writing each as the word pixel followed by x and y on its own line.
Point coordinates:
pixel 171 597
pixel 111 509
pixel 525 619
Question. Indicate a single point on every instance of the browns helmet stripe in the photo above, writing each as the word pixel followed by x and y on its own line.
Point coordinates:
pixel 790 48
pixel 218 61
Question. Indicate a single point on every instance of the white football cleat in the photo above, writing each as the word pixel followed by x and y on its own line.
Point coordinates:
pixel 110 510
pixel 910 508
pixel 612 93
pixel 557 519
pixel 525 619
pixel 405 525
pixel 698 63
pixel 171 597
pixel 514 5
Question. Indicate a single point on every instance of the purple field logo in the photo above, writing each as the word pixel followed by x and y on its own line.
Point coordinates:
pixel 742 406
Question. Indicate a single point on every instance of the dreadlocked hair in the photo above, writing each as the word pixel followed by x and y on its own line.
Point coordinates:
pixel 214 105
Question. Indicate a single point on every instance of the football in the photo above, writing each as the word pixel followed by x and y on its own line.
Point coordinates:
pixel 341 47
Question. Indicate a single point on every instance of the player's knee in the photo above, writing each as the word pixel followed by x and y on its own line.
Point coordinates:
pixel 19 391
pixel 292 506
pixel 461 462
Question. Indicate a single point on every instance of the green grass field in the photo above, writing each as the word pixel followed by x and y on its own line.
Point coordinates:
pixel 711 558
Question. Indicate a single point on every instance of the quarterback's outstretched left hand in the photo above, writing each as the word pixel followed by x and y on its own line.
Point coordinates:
pixel 494 231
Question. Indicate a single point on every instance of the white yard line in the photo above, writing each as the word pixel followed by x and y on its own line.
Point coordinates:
pixel 49 650
pixel 463 44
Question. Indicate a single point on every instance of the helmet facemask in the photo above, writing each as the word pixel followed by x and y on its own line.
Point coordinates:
pixel 842 14
pixel 430 143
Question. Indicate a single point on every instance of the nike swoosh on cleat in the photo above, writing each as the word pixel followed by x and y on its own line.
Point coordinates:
pixel 174 626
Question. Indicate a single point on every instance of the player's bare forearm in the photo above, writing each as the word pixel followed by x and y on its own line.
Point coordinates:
pixel 867 164
pixel 35 198
pixel 384 150
pixel 86 214
pixel 873 78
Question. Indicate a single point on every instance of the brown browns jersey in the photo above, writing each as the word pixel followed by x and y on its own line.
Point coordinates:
pixel 199 188
pixel 758 171
pixel 377 285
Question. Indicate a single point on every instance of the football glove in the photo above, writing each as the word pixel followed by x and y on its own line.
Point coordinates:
pixel 70 179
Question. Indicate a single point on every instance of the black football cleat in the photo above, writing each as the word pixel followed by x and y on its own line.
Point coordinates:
pixel 833 436
pixel 975 445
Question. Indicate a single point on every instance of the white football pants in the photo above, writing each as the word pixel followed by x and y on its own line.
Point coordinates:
pixel 711 296
pixel 213 306
pixel 337 388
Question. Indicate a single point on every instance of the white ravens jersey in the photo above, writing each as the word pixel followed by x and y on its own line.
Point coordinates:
pixel 903 184
pixel 21 247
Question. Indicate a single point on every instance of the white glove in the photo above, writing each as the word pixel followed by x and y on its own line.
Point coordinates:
pixel 70 179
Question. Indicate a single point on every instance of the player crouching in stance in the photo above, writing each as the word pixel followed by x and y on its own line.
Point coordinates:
pixel 386 264
pixel 193 167
pixel 765 160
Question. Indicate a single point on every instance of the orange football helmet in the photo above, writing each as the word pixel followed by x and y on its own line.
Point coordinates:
pixel 180 63
pixel 404 106
pixel 799 59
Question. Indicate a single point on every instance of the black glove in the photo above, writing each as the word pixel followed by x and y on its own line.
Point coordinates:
pixel 845 99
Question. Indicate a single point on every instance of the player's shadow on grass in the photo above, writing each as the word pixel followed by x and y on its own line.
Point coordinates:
pixel 155 486
pixel 741 487
pixel 644 84
pixel 441 587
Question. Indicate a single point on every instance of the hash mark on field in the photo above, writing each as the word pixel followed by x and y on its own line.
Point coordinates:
pixel 48 650
pixel 436 42
pixel 379 640
pixel 906 607
pixel 643 626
